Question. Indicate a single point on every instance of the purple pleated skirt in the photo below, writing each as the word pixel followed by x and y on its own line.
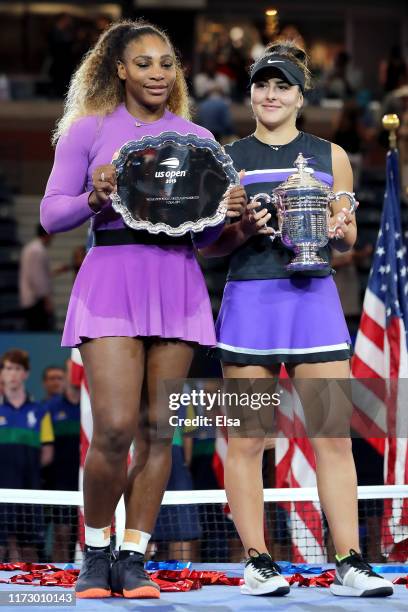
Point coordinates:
pixel 282 320
pixel 139 290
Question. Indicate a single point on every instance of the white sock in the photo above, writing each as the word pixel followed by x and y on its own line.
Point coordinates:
pixel 97 537
pixel 135 540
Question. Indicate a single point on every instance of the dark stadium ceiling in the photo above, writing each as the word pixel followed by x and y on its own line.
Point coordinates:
pixel 288 10
pixel 233 5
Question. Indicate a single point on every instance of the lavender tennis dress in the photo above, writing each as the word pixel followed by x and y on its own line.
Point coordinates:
pixel 268 315
pixel 128 289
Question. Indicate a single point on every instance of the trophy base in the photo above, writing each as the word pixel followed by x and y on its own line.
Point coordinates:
pixel 307 259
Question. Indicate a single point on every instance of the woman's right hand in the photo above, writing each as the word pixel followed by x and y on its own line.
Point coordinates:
pixel 254 222
pixel 104 183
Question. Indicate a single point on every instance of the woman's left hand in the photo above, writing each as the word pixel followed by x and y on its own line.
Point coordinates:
pixel 342 220
pixel 235 199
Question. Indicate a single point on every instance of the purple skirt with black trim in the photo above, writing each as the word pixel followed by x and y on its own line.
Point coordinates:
pixel 282 320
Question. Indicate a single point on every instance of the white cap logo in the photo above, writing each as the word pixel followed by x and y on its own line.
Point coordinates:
pixel 276 62
pixel 31 419
pixel 170 162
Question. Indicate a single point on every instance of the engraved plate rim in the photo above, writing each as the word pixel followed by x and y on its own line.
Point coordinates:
pixel 177 139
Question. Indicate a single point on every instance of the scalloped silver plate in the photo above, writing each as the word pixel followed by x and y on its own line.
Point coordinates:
pixel 172 183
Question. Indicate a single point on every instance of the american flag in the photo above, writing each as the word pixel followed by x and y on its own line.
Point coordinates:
pixel 381 350
pixel 295 466
pixel 380 353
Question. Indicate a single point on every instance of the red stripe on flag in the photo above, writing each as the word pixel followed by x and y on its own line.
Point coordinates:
pixel 283 470
pixel 77 374
pixel 297 556
pixel 372 330
pixel 360 369
pixel 298 458
pixel 310 515
pixel 378 444
pixel 305 446
pixel 365 426
pixel 378 387
pixel 394 340
pixel 84 445
pixel 218 468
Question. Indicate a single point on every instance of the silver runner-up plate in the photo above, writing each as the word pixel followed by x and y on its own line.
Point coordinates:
pixel 172 183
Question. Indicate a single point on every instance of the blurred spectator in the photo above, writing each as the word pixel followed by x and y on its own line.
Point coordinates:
pixel 178 526
pixel 53 380
pixel 77 257
pixel 219 539
pixel 403 144
pixel 343 79
pixel 348 136
pixel 234 64
pixel 292 34
pixel 4 88
pixel 61 48
pixel 81 44
pixel 53 385
pixel 210 77
pixel 24 426
pixel 64 409
pixel 353 132
pixel 35 283
pixel 393 71
pixel 214 114
pixel 102 22
pixel 397 102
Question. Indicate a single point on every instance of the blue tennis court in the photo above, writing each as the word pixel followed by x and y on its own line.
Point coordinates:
pixel 229 598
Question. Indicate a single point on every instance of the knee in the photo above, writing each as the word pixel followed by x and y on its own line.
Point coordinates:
pixel 338 447
pixel 153 435
pixel 245 447
pixel 151 448
pixel 113 440
pixel 160 449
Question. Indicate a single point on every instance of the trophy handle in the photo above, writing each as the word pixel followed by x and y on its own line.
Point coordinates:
pixel 337 196
pixel 270 199
pixel 262 196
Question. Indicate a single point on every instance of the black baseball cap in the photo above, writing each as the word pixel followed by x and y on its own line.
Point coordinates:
pixel 290 71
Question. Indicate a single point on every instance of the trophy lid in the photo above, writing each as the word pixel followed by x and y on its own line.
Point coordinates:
pixel 302 178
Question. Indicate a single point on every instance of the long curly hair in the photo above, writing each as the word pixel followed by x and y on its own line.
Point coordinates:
pixel 95 88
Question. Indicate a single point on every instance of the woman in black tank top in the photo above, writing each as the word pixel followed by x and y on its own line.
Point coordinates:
pixel 269 318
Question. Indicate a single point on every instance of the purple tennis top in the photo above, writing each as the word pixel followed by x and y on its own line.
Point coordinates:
pixel 124 290
pixel 91 142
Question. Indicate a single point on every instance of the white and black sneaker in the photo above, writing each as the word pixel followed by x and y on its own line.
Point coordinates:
pixel 356 578
pixel 262 576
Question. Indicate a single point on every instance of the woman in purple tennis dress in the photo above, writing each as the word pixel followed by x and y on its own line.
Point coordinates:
pixel 138 306
pixel 269 317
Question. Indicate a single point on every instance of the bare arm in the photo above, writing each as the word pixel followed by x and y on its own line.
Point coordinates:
pixel 47 454
pixel 230 239
pixel 346 235
pixel 188 449
pixel 233 236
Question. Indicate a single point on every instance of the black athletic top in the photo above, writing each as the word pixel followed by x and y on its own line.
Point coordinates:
pixel 267 166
